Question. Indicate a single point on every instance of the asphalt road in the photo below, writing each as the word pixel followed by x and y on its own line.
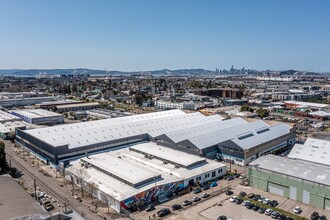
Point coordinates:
pixel 48 184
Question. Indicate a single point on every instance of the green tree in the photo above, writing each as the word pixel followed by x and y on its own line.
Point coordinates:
pixel 262 113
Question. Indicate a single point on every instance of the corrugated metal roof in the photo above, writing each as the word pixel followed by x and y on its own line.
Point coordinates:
pixel 314 150
pixel 183 134
pixel 260 136
pixel 216 137
pixel 95 132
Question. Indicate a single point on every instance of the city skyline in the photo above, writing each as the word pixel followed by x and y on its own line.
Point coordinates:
pixel 148 35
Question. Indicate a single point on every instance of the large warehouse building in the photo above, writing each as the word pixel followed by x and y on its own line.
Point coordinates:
pixel 39 116
pixel 135 176
pixel 296 179
pixel 195 133
pixel 236 140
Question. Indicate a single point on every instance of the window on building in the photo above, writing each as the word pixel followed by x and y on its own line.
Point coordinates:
pixel 213 174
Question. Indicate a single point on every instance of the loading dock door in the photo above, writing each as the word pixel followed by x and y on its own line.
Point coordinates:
pixel 276 189
pixel 306 197
pixel 327 204
pixel 293 193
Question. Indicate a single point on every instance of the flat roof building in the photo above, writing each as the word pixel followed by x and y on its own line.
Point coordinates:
pixel 77 106
pixel 313 150
pixel 137 175
pixel 5 117
pixel 7 129
pixel 304 181
pixel 26 101
pixel 39 116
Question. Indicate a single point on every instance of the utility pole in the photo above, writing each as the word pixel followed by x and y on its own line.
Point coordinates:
pixel 35 189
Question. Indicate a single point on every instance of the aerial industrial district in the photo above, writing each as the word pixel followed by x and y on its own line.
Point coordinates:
pixel 228 145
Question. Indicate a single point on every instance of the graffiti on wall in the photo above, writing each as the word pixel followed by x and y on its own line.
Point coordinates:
pixel 150 195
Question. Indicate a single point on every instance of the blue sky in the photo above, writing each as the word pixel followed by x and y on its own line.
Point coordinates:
pixel 148 35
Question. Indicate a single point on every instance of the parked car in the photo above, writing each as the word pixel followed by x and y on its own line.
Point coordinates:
pixel 256 197
pixel 261 199
pixel 239 201
pixel 233 198
pixel 222 217
pixel 281 217
pixel 266 201
pixel 274 203
pixel 251 195
pixel 245 202
pixel 150 208
pixel 186 202
pixel 242 193
pixel 205 195
pixel 195 199
pixel 236 175
pixel 314 216
pixel 268 211
pixel 197 190
pixel 323 217
pixel 163 212
pixel 256 208
pixel 213 184
pixel 275 214
pixel 176 207
pixel 262 210
pixel 229 192
pixel 230 177
pixel 297 210
pixel 206 187
pixel 249 206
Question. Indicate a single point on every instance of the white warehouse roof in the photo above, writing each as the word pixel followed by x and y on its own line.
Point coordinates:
pixel 95 132
pixel 36 113
pixel 168 154
pixel 296 168
pixel 5 116
pixel 314 150
pixel 183 134
pixel 260 136
pixel 137 161
pixel 221 135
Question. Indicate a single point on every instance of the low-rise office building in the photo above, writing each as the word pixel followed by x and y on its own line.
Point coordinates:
pixel 163 105
pixel 136 176
pixel 39 116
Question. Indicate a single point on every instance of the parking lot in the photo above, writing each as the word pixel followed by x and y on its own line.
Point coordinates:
pixel 208 209
pixel 233 211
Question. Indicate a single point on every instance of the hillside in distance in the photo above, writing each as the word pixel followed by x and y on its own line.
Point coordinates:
pixel 34 72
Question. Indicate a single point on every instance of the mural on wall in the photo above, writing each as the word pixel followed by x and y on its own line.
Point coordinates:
pixel 150 195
